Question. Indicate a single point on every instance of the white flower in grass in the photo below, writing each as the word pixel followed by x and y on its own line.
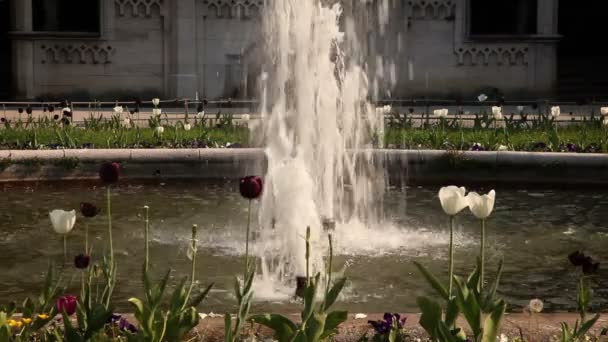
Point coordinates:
pixel 555 111
pixel 482 98
pixel 156 111
pixel 497 112
pixel 536 305
pixel 453 199
pixel 155 101
pixel 159 130
pixel 441 113
pixel 187 127
pixel 62 221
pixel 360 316
pixel 502 148
pixel 118 110
pixel 481 205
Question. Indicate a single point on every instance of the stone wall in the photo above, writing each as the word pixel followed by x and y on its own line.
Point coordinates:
pixel 179 48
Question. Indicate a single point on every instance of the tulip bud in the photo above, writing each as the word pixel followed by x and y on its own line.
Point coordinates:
pixel 82 261
pixel 251 187
pixel 155 102
pixel 109 172
pixel 88 209
pixel 67 304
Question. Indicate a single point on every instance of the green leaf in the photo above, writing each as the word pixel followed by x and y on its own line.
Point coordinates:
pixel 332 321
pixel 451 312
pixel 585 327
pixel 468 305
pixel 315 326
pixel 492 323
pixel 283 328
pixel 309 298
pixel 198 299
pixel 430 317
pixel 71 334
pixel 435 284
pixel 333 293
pixel 138 304
pixel 227 328
pixel 97 319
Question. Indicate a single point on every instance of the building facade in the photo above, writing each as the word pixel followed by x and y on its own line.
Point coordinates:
pixel 178 48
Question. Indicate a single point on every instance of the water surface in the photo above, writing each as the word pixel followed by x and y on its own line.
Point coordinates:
pixel 532 230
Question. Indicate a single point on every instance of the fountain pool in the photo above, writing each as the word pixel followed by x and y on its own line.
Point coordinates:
pixel 533 230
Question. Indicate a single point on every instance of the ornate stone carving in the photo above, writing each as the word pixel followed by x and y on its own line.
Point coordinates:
pixel 77 53
pixel 233 9
pixel 499 54
pixel 138 7
pixel 432 9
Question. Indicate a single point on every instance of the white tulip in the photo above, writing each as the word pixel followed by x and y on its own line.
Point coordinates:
pixel 126 122
pixel 118 110
pixel 555 111
pixel 502 148
pixel 497 112
pixel 200 115
pixel 155 101
pixel 481 205
pixel 604 111
pixel 190 251
pixel 67 109
pixel 520 108
pixel 160 129
pixel 187 127
pixel 536 305
pixel 482 97
pixel 156 111
pixel 605 122
pixel 453 199
pixel 441 113
pixel 62 221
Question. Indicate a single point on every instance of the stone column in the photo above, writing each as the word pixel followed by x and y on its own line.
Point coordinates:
pixel 547 16
pixel 544 77
pixel 22 50
pixel 183 79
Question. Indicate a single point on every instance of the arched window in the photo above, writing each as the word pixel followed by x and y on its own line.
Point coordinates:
pixel 66 15
pixel 503 17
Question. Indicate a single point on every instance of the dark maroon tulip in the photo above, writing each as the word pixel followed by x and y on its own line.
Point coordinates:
pixel 51 108
pixel 29 110
pixel 2 119
pixel 55 117
pixel 576 258
pixel 82 261
pixel 68 304
pixel 88 209
pixel 251 187
pixel 20 110
pixel 109 172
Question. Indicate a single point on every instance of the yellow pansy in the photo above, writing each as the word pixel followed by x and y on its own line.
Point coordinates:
pixel 27 320
pixel 15 324
pixel 43 316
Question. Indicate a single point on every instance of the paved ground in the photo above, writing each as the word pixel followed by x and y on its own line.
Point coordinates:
pixel 537 328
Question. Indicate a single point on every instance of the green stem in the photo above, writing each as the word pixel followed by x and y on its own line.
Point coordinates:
pixel 193 264
pixel 147 238
pixel 86 238
pixel 307 256
pixel 65 249
pixel 482 252
pixel 451 257
pixel 329 267
pixel 247 242
pixel 108 195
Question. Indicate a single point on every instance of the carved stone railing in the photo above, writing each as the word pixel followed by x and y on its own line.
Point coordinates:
pixel 431 9
pixel 233 9
pixel 138 8
pixel 76 53
pixel 495 54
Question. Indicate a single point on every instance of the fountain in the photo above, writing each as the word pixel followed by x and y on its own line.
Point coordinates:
pixel 317 123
